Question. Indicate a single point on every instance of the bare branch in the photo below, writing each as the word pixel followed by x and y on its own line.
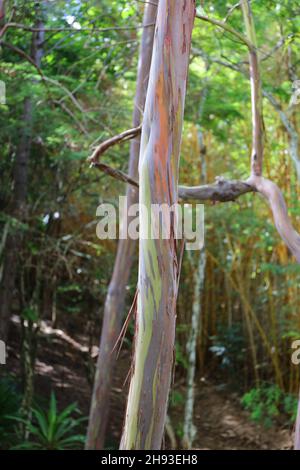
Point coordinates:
pixel 256 95
pixel 220 191
pixel 289 126
pixel 117 174
pixel 72 29
pixel 280 213
pixel 266 187
pixel 72 115
pixel 229 29
pixel 116 139
pixel 23 54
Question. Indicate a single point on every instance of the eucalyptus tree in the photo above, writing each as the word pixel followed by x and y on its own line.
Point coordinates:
pixel 115 299
pixel 158 263
pixel 155 317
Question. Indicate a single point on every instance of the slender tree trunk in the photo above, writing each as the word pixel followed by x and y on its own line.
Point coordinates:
pixel 189 430
pixel 266 187
pixel 115 300
pixel 158 265
pixel 19 209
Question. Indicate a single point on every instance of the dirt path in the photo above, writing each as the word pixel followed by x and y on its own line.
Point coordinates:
pixel 222 424
pixel 220 421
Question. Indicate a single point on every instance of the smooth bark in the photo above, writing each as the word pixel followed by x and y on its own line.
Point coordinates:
pixel 115 300
pixel 198 265
pixel 158 265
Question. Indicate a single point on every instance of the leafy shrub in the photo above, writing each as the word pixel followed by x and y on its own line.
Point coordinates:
pixel 52 430
pixel 10 400
pixel 176 399
pixel 229 346
pixel 268 402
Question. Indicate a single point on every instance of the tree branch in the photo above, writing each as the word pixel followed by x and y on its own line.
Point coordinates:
pixel 72 29
pixel 256 95
pixel 276 201
pixel 266 187
pixel 117 174
pixel 229 29
pixel 116 139
pixel 220 191
pixel 290 128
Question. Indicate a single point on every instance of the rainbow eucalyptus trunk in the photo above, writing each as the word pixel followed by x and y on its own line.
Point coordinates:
pixel 115 300
pixel 158 267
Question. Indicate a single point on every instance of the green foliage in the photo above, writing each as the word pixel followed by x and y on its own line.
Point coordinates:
pixel 268 402
pixel 180 356
pixel 30 314
pixel 51 430
pixel 10 400
pixel 176 398
pixel 229 346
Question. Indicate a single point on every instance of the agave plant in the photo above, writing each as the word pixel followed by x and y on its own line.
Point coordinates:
pixel 52 430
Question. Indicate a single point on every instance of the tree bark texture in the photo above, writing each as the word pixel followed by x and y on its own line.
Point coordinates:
pixel 158 265
pixel 115 300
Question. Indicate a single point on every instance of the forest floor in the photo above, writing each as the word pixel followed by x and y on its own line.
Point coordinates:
pixel 220 421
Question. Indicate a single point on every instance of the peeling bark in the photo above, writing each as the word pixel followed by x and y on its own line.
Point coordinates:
pixel 158 265
pixel 115 300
